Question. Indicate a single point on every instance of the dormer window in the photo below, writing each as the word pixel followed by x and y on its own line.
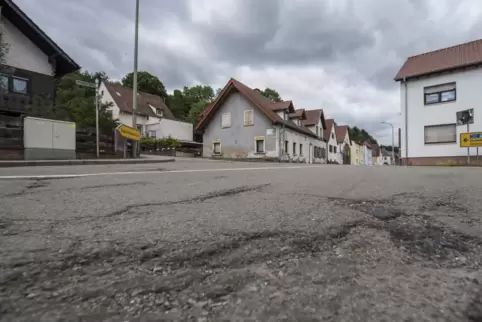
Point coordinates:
pixel 159 112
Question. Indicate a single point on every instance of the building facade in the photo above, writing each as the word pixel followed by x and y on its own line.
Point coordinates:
pixel 433 88
pixel 241 123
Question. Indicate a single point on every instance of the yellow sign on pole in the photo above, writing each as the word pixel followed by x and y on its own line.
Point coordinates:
pixel 129 132
pixel 471 140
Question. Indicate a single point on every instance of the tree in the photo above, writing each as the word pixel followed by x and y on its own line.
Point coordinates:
pixel 271 94
pixel 73 103
pixel 4 48
pixel 146 82
pixel 360 135
pixel 190 102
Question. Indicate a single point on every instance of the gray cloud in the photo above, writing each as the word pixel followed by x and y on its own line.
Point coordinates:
pixel 358 42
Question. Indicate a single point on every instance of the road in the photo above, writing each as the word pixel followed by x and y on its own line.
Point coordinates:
pixel 202 240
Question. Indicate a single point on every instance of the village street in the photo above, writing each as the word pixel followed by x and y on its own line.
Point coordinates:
pixel 201 240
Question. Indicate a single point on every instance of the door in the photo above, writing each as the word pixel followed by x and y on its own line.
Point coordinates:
pixel 346 154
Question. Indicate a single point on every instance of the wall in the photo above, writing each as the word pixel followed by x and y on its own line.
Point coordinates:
pixel 357 154
pixel 308 147
pixel 367 155
pixel 469 95
pixel 341 147
pixel 175 129
pixel 238 141
pixel 23 53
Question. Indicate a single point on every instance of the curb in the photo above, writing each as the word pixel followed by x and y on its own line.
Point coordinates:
pixel 40 163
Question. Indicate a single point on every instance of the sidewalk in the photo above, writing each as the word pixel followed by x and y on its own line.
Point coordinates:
pixel 33 163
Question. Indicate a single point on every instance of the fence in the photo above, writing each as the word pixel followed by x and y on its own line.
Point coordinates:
pixel 11 137
pixel 85 142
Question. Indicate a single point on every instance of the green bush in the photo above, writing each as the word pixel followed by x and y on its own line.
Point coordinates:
pixel 162 143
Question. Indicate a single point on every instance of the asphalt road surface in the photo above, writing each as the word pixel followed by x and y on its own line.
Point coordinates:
pixel 225 241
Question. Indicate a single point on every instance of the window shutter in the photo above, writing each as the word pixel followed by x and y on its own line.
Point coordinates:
pixel 248 117
pixel 440 133
pixel 226 120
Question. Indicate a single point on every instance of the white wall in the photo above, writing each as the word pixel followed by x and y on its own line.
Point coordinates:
pixel 293 136
pixel 23 53
pixel 175 129
pixel 332 141
pixel 469 95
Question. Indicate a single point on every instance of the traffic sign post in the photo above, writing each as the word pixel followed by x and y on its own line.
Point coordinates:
pixel 466 117
pixel 128 132
pixel 471 140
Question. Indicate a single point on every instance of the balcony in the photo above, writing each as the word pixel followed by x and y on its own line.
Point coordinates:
pixel 13 102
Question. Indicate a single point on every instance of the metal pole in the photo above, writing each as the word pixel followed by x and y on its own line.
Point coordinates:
pixel 134 83
pixel 393 145
pixel 468 149
pixel 97 117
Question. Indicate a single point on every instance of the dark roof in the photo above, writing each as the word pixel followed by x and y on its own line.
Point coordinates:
pixel 266 106
pixel 300 113
pixel 279 106
pixel 313 116
pixel 341 131
pixel 327 132
pixel 123 98
pixel 446 59
pixel 63 63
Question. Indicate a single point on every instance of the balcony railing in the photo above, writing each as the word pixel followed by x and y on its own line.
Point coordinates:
pixel 13 102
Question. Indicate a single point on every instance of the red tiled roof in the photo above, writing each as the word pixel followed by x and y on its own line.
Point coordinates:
pixel 123 99
pixel 327 132
pixel 257 99
pixel 313 116
pixel 463 55
pixel 341 131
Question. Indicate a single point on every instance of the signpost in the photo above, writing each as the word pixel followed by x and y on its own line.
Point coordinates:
pixel 94 86
pixel 466 117
pixel 128 133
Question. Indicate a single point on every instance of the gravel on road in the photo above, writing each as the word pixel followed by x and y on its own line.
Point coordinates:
pixel 326 243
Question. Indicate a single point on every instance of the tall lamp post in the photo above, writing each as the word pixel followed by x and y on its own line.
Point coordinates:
pixel 134 85
pixel 393 142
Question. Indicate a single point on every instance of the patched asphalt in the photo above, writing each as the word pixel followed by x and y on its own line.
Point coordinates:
pixel 235 242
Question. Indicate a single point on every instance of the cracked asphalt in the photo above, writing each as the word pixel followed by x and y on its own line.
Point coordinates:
pixel 234 242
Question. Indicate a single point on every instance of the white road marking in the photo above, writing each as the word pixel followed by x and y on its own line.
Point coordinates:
pixel 59 176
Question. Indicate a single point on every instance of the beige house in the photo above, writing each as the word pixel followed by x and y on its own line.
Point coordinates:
pixel 357 155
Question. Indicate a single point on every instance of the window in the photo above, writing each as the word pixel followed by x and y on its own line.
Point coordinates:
pixel 334 149
pixel 294 148
pixel 440 93
pixel 259 144
pixel 248 117
pixel 286 146
pixel 331 148
pixel 4 82
pixel 19 85
pixel 323 152
pixel 159 112
pixel 332 135
pixel 217 148
pixel 317 129
pixel 151 134
pixel 226 120
pixel 301 149
pixel 446 133
pixel 140 127
pixel 109 113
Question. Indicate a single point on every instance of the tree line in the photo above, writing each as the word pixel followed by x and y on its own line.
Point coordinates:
pixel 76 104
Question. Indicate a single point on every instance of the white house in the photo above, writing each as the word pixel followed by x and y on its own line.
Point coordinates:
pixel 242 123
pixel 330 137
pixel 344 144
pixel 434 86
pixel 150 108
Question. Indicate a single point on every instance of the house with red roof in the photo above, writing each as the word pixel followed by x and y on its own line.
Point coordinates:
pixel 434 86
pixel 332 143
pixel 242 123
pixel 344 144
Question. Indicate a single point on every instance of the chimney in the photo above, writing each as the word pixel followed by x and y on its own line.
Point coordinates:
pixel 257 90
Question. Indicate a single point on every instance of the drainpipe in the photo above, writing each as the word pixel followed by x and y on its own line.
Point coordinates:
pixel 406 120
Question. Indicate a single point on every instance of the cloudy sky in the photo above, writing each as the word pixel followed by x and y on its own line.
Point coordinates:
pixel 340 55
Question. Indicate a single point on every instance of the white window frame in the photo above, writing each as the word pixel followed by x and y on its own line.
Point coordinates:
pixel 252 117
pixel 452 140
pixel 256 139
pixel 220 148
pixel 159 112
pixel 439 91
pixel 7 78
pixel 301 149
pixel 223 123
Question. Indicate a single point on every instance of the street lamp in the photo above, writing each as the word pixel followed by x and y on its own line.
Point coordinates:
pixel 134 83
pixel 393 142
